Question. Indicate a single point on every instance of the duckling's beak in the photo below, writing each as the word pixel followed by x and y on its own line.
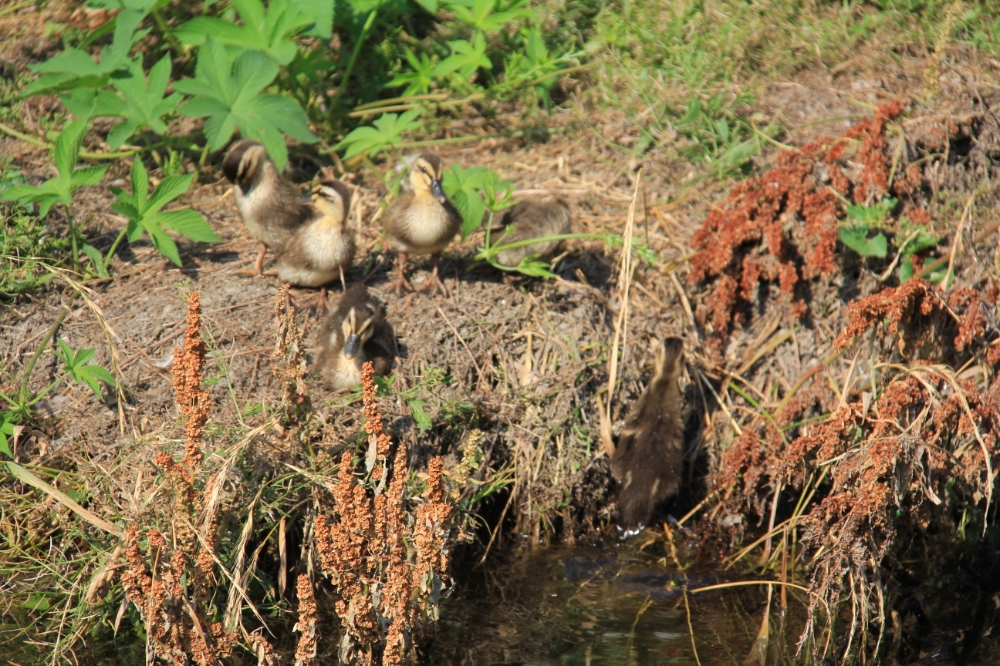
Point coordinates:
pixel 351 346
pixel 437 191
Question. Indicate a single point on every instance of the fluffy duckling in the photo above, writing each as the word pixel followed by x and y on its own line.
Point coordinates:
pixel 650 453
pixel 538 218
pixel 271 208
pixel 422 221
pixel 356 332
pixel 321 247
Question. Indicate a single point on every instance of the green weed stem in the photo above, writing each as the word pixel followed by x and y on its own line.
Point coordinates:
pixel 23 394
pixel 356 51
pixel 72 238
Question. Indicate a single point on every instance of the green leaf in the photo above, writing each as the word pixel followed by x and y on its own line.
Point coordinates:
pixel 906 269
pixel 78 368
pixel 466 57
pixel 481 16
pixel 420 417
pixel 60 188
pixel 140 102
pixel 856 238
pixel 96 259
pixel 268 31
pixel 418 81
pixel 475 190
pixel 74 68
pixel 227 95
pixel 870 216
pixel 430 6
pixel 387 131
pixel 144 212
pixel 190 224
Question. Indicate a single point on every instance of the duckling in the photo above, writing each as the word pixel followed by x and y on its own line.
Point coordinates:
pixel 356 332
pixel 271 208
pixel 321 247
pixel 538 218
pixel 422 221
pixel 650 453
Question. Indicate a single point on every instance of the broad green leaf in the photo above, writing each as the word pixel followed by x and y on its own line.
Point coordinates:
pixel 386 131
pixel 465 189
pixel 856 238
pixel 227 95
pixel 74 68
pixel 190 224
pixel 163 243
pixel 68 148
pixel 139 102
pixel 268 31
pixel 78 367
pixel 481 16
pixel 87 176
pixel 169 189
pixel 430 6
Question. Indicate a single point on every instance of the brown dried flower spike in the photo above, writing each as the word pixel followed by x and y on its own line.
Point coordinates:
pixel 191 398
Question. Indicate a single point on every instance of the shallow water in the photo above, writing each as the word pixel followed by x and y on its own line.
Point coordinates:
pixel 601 604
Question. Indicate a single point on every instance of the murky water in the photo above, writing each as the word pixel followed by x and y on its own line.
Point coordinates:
pixel 602 604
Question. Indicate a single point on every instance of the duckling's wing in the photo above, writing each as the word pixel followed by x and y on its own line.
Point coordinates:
pixel 394 219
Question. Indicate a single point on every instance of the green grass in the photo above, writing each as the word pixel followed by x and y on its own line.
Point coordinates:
pixel 683 73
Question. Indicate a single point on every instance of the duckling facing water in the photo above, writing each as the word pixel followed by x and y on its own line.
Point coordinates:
pixel 536 218
pixel 650 455
pixel 271 208
pixel 322 247
pixel 356 332
pixel 422 221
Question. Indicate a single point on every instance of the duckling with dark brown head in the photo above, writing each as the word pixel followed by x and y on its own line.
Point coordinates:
pixel 272 210
pixel 650 455
pixel 322 247
pixel 356 332
pixel 422 221
pixel 541 217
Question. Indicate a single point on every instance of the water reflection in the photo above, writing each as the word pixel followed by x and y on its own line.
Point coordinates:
pixel 604 604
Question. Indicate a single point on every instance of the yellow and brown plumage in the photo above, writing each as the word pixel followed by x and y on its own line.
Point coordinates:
pixel 272 209
pixel 422 221
pixel 356 332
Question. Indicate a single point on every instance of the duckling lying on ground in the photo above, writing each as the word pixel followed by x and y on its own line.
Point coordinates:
pixel 356 332
pixel 322 247
pixel 650 454
pixel 272 210
pixel 422 221
pixel 535 218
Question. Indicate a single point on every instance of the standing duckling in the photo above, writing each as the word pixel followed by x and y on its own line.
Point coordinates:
pixel 271 208
pixel 538 218
pixel 356 332
pixel 422 221
pixel 650 453
pixel 321 247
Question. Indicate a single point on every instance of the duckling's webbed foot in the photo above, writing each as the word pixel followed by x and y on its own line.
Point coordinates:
pixel 435 281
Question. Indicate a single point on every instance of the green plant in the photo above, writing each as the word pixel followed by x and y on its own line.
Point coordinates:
pixel 140 103
pixel 910 238
pixel 76 367
pixel 60 189
pixel 228 95
pixel 270 31
pixel 387 131
pixel 145 214
pixel 474 191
